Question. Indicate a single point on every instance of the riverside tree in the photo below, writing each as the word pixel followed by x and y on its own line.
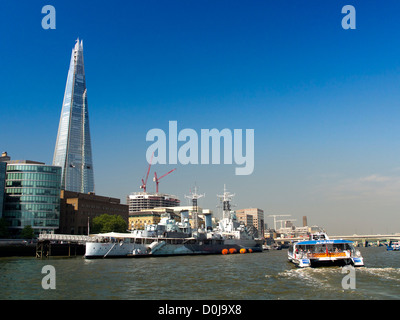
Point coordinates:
pixel 27 233
pixel 108 223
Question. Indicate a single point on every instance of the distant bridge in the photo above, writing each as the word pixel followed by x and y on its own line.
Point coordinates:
pixel 368 237
pixel 355 237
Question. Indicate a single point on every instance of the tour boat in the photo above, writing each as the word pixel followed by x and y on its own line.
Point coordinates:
pixel 319 250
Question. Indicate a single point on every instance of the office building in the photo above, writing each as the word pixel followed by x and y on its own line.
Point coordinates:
pixel 79 209
pixel 305 221
pixel 4 157
pixel 3 167
pixel 144 201
pixel 73 151
pixel 252 217
pixel 32 196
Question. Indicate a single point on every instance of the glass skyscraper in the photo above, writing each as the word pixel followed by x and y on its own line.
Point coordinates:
pixel 73 151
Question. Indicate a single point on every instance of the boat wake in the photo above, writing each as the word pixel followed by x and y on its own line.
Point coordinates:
pixel 392 274
pixel 311 277
pixel 325 283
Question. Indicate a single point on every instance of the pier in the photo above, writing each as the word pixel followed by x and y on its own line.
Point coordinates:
pixel 61 245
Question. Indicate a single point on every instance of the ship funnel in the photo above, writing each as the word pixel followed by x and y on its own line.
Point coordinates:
pixel 208 221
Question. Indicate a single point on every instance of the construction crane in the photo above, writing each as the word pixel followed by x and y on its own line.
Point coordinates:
pixel 283 222
pixel 278 215
pixel 157 180
pixel 144 182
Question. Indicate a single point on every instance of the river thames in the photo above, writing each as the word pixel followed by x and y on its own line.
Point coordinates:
pixel 253 276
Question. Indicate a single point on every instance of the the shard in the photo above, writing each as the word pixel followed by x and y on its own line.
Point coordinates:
pixel 73 151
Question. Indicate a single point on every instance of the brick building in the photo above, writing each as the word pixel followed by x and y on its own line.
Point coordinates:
pixel 78 209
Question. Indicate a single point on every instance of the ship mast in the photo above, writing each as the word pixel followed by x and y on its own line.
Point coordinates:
pixel 194 196
pixel 226 199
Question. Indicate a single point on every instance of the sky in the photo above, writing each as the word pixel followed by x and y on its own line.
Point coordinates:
pixel 323 101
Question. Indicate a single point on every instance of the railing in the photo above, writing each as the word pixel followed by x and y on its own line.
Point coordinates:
pixel 66 237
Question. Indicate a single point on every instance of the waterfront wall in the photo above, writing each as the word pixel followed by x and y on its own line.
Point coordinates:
pixel 22 248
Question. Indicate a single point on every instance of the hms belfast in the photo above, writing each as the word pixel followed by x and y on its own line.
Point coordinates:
pixel 169 237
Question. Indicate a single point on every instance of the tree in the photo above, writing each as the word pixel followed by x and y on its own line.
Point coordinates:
pixel 27 233
pixel 108 223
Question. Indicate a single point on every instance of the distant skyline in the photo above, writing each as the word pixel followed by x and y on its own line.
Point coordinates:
pixel 323 102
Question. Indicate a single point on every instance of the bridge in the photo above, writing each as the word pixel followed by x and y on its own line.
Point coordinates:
pixel 363 239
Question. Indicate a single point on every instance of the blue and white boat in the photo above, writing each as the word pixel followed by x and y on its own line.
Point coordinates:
pixel 321 251
pixel 393 246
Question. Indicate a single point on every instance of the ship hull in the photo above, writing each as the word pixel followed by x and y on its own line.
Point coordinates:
pixel 125 250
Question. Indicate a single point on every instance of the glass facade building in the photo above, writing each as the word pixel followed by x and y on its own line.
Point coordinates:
pixel 73 151
pixel 3 167
pixel 32 197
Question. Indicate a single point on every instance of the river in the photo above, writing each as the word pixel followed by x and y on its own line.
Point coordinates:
pixel 252 276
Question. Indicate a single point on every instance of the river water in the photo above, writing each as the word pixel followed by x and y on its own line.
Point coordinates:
pixel 267 275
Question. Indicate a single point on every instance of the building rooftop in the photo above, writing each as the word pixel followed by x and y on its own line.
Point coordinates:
pixel 6 158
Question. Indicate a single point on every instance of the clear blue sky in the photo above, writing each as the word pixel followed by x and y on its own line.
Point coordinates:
pixel 323 101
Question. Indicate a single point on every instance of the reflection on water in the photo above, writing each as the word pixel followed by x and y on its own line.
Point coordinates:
pixel 265 275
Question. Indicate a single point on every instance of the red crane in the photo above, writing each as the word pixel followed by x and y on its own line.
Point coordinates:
pixel 157 180
pixel 144 182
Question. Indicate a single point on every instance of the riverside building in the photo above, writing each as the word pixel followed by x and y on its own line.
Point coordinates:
pixel 78 210
pixel 32 196
pixel 144 201
pixel 252 217
pixel 138 220
pixel 73 150
pixel 3 167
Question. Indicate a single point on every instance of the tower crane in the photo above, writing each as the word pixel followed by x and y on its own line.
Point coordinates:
pixel 284 221
pixel 144 182
pixel 157 179
pixel 278 215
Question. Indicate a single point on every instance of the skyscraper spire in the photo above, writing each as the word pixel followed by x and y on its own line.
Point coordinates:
pixel 73 151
